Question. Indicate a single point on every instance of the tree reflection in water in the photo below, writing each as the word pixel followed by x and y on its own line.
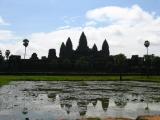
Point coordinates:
pixel 120 100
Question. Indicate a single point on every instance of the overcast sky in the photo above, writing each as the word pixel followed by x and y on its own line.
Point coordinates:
pixel 126 24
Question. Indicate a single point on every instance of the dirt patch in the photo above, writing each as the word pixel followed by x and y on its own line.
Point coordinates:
pixel 107 119
pixel 117 119
pixel 138 118
pixel 148 118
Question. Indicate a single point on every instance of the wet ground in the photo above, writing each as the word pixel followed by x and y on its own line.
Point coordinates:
pixel 70 100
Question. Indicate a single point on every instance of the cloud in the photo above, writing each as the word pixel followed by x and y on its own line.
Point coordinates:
pixel 7 35
pixel 64 27
pixel 44 41
pixel 125 29
pixel 9 41
pixel 126 33
pixel 70 20
pixel 118 15
pixel 2 22
pixel 91 23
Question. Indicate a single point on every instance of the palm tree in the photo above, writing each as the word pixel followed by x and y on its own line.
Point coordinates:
pixel 7 53
pixel 25 43
pixel 146 44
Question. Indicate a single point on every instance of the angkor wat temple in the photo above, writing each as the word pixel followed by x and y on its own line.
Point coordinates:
pixel 82 60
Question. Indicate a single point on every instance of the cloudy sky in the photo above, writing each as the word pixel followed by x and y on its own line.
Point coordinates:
pixel 126 24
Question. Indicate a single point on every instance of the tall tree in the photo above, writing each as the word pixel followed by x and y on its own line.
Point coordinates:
pixel 7 53
pixel 62 50
pixel 69 48
pixel 105 48
pixel 25 43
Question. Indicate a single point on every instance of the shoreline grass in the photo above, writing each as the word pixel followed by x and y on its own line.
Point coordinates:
pixel 5 79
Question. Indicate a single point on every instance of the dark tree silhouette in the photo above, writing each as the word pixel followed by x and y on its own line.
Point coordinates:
pixel 105 48
pixel 34 56
pixel 69 48
pixel 120 61
pixel 1 57
pixel 44 58
pixel 62 53
pixel 0 53
pixel 25 43
pixel 156 64
pixel 7 53
pixel 15 58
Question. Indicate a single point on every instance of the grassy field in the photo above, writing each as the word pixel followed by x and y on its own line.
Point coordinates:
pixel 6 79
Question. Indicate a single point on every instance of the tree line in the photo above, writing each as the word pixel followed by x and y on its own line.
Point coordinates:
pixel 83 59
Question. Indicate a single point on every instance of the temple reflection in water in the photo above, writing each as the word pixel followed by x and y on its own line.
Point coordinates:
pixel 96 107
pixel 77 100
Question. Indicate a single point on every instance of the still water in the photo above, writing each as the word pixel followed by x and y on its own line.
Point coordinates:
pixel 65 100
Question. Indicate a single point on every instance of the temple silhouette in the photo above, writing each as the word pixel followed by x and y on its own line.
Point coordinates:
pixel 81 60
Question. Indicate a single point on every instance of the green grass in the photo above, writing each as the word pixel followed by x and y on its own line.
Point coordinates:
pixel 6 79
